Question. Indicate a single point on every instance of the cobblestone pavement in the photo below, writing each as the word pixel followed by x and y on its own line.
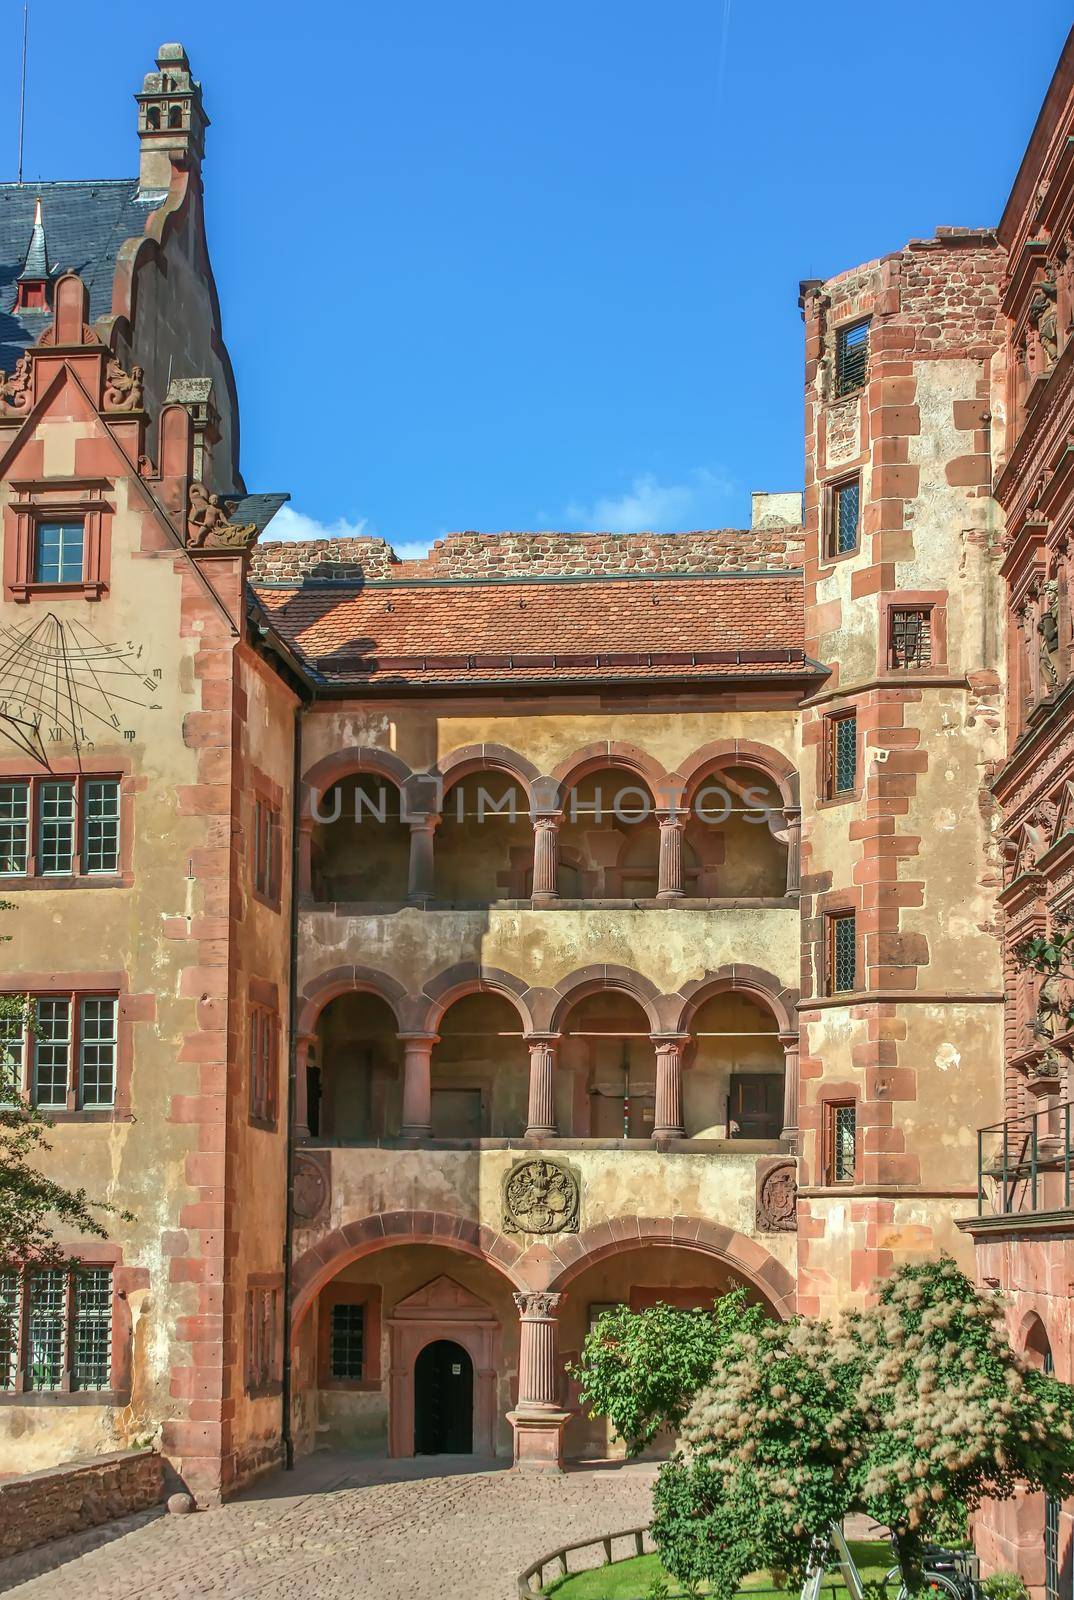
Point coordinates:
pixel 340 1526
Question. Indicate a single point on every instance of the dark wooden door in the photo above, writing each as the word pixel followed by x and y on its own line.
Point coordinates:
pixel 756 1105
pixel 443 1400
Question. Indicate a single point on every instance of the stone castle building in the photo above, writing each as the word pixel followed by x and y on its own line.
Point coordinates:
pixel 431 954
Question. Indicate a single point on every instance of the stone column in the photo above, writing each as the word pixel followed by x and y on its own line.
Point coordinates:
pixel 417 1095
pixel 669 883
pixel 541 1122
pixel 793 818
pixel 538 1419
pixel 420 881
pixel 668 1123
pixel 789 1041
pixel 300 1124
pixel 545 859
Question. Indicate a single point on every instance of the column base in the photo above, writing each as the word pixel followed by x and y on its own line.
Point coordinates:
pixel 668 1133
pixel 415 1133
pixel 542 1133
pixel 669 897
pixel 539 1439
pixel 542 902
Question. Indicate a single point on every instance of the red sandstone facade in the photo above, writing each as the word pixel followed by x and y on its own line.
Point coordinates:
pixel 557 921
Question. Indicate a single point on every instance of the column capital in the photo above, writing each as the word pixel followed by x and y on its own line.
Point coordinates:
pixel 424 821
pixel 672 1038
pixel 546 819
pixel 418 1038
pixel 542 1038
pixel 537 1304
pixel 790 1041
pixel 672 816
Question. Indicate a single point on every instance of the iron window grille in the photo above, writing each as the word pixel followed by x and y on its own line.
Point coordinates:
pixel 842 1140
pixel 59 827
pixel 346 1348
pixel 59 552
pixel 55 1329
pixel 264 1034
pixel 911 637
pixel 851 357
pixel 842 953
pixel 842 754
pixel 68 1055
pixel 845 516
pixel 261 1320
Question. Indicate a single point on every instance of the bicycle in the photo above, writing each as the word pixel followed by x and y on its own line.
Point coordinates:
pixel 948 1573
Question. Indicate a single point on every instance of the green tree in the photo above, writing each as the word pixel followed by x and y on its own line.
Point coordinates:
pixel 641 1369
pixel 32 1205
pixel 906 1411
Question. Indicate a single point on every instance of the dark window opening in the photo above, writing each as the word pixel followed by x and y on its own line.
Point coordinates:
pixel 911 637
pixel 851 357
pixel 347 1342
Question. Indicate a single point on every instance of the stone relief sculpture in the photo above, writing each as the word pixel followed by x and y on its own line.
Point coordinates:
pixel 777 1199
pixel 541 1196
pixel 15 391
pixel 1048 630
pixel 123 391
pixel 207 523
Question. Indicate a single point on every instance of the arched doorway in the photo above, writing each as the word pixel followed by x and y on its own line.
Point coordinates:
pixel 443 1400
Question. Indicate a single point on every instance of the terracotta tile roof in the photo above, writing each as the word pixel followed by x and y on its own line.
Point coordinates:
pixel 544 629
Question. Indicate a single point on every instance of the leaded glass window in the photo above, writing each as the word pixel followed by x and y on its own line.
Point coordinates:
pixel 843 754
pixel 846 515
pixel 843 953
pixel 842 1142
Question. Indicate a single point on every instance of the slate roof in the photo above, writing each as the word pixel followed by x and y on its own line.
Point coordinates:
pixel 85 223
pixel 256 508
pixel 572 628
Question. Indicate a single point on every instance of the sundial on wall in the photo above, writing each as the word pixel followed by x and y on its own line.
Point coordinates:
pixel 62 687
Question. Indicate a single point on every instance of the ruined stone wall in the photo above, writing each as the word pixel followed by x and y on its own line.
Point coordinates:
pixel 910 846
pixel 480 555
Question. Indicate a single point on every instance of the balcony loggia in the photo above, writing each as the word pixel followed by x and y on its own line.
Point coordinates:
pixel 608 837
pixel 604 1072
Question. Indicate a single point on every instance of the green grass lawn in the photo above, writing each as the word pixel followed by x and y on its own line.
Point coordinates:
pixel 629 1580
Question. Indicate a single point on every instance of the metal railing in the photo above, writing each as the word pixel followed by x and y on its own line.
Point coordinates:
pixel 1024 1164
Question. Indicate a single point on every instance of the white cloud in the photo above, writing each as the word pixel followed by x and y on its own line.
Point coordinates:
pixel 293 525
pixel 649 506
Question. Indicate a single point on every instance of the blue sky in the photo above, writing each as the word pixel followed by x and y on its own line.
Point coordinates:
pixel 496 266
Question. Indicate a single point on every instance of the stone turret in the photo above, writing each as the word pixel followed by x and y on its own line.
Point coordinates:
pixel 171 119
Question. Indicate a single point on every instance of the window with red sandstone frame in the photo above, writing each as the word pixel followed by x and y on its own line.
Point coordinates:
pixel 262 1340
pixel 264 1066
pixel 59 827
pixel 55 1329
